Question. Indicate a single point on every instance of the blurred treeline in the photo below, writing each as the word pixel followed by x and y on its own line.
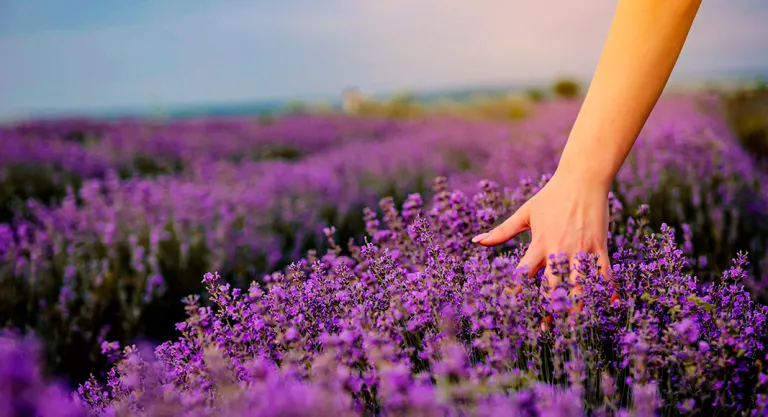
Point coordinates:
pixel 497 107
pixel 747 111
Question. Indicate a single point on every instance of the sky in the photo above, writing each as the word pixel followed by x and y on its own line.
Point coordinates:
pixel 82 55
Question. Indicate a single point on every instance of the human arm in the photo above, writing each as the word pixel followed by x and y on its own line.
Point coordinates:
pixel 570 214
pixel 643 45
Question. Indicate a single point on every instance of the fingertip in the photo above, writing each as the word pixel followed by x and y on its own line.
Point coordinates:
pixel 492 238
pixel 576 308
pixel 604 260
pixel 577 290
pixel 532 261
pixel 615 298
pixel 479 238
pixel 530 269
pixel 546 323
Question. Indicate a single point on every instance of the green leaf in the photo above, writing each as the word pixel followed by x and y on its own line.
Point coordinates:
pixel 701 303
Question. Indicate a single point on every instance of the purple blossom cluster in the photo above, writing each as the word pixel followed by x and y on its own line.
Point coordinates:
pixel 416 322
pixel 117 245
pixel 91 148
pixel 111 261
pixel 24 388
pixel 41 159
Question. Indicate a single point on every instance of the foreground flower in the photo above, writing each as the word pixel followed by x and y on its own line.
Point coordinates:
pixel 416 322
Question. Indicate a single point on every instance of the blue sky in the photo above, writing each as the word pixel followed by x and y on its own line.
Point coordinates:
pixel 62 55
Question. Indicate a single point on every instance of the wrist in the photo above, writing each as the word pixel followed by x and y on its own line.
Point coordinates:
pixel 586 173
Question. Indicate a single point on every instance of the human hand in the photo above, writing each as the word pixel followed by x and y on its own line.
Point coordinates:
pixel 567 216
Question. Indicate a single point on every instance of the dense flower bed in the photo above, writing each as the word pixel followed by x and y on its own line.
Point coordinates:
pixel 115 257
pixel 417 322
pixel 90 148
pixel 41 159
pixel 102 256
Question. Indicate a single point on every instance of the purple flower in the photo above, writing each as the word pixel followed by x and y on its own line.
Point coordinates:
pixel 406 317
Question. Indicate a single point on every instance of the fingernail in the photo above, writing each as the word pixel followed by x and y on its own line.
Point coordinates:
pixel 480 237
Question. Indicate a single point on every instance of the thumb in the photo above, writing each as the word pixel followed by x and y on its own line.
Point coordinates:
pixel 513 226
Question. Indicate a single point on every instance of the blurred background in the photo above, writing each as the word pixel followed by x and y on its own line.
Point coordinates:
pixel 176 57
pixel 145 143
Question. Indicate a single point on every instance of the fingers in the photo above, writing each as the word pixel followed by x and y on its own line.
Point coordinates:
pixel 513 226
pixel 604 261
pixel 535 258
pixel 553 264
pixel 546 323
pixel 576 290
pixel 532 261
pixel 555 274
pixel 615 298
pixel 607 272
pixel 574 275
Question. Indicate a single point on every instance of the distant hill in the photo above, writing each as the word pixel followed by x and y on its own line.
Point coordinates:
pixel 729 79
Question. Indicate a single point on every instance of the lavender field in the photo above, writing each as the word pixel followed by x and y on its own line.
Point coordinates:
pixel 322 265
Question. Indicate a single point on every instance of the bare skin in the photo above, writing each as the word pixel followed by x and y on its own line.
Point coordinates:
pixel 570 214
